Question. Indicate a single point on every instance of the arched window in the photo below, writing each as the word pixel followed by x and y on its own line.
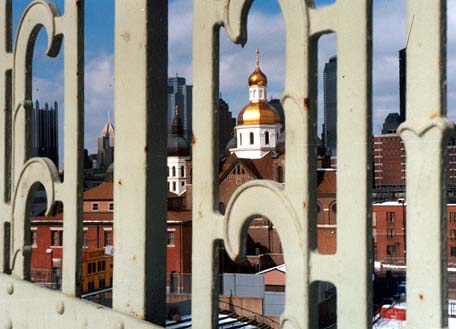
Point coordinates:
pixel 333 215
pixel 174 171
pixel 240 139
pixel 280 174
pixel 261 93
pixel 182 171
pixel 251 139
pixel 266 138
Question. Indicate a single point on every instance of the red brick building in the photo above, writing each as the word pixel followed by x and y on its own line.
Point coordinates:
pixel 98 207
pixel 389 160
pixel 264 249
pixel 389 231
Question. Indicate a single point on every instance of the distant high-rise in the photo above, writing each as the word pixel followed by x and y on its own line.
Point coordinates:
pixel 402 82
pixel 391 123
pixel 45 133
pixel 106 146
pixel 180 94
pixel 330 106
pixel 226 124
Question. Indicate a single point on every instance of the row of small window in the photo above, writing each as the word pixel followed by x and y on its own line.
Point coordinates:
pixel 94 267
pixel 101 284
pixel 252 138
pixel 391 217
pixel 174 189
pixel 57 238
pixel 96 206
pixel 173 171
pixel 107 239
pixel 392 249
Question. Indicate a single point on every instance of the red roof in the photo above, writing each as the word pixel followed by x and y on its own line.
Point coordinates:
pixel 327 180
pixel 103 191
pixel 183 216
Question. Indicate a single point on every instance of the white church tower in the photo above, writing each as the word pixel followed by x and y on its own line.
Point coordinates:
pixel 258 124
pixel 178 154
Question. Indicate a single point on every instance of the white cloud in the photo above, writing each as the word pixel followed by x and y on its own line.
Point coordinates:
pixel 236 63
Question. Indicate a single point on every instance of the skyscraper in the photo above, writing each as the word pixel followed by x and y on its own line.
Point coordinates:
pixel 330 106
pixel 226 124
pixel 106 146
pixel 180 94
pixel 45 133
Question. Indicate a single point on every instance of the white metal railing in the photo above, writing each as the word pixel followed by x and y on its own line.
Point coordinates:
pixel 140 176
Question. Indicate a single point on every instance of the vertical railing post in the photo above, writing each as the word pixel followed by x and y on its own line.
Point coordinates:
pixel 73 23
pixel 6 64
pixel 425 133
pixel 140 102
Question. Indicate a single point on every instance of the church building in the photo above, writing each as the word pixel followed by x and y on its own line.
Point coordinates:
pixel 258 125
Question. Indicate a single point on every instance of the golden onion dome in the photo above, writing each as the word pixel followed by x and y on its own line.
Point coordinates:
pixel 258 113
pixel 258 78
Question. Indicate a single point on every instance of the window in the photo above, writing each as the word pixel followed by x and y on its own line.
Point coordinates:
pixel 168 171
pixel 174 186
pixel 91 286
pixel 334 208
pixel 453 251
pixel 183 184
pixel 174 171
pixel 280 174
pixel 182 171
pixel 111 206
pixel 56 238
pixel 452 234
pixel 33 238
pixel 390 249
pixel 84 241
pixel 390 216
pixel 170 238
pixel 101 284
pixel 453 217
pixel 91 268
pixel 95 206
pixel 390 234
pixel 266 138
pixel 107 238
pixel 240 139
pixel 252 140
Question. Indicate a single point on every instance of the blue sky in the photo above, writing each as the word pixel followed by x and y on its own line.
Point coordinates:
pixel 236 62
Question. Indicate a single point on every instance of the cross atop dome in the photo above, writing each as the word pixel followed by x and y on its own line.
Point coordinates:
pixel 258 78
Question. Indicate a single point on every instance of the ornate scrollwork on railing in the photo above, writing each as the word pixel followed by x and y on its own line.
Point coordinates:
pixel 290 208
pixel 24 174
pixel 35 172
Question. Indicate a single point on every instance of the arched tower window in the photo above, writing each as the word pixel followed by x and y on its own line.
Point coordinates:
pixel 174 171
pixel 182 171
pixel 240 139
pixel 251 139
pixel 266 138
pixel 280 174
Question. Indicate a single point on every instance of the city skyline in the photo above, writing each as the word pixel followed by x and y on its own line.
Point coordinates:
pixel 389 31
